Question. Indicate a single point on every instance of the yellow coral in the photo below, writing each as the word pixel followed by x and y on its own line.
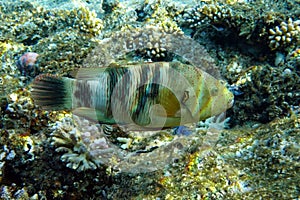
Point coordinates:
pixel 284 34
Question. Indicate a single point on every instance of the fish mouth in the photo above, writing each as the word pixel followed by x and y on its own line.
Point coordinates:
pixel 230 103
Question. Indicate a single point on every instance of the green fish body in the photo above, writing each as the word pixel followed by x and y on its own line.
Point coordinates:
pixel 148 95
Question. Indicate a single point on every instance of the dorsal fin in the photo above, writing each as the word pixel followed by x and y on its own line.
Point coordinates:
pixel 89 73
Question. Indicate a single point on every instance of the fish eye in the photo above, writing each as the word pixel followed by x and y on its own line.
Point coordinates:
pixel 222 82
pixel 214 91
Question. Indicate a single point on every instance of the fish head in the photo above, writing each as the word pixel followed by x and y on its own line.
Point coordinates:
pixel 218 98
pixel 200 94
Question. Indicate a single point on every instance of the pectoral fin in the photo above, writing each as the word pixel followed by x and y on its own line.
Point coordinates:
pixel 160 119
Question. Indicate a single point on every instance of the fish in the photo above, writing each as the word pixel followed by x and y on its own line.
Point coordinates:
pixel 152 95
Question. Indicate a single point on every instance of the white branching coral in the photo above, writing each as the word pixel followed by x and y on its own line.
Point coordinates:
pixel 156 47
pixel 203 14
pixel 85 146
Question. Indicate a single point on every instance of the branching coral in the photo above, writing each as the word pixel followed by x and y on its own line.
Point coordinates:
pixel 204 14
pixel 146 14
pixel 150 38
pixel 285 34
pixel 84 145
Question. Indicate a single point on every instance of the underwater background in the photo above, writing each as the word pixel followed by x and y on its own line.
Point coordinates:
pixel 250 152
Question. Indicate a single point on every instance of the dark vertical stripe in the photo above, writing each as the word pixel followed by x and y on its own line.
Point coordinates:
pixel 156 73
pixel 141 95
pixel 114 75
pixel 83 94
pixel 146 94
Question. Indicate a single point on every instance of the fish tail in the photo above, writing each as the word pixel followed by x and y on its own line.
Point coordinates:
pixel 52 92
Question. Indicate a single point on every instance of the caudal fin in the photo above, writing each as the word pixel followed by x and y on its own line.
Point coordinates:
pixel 52 93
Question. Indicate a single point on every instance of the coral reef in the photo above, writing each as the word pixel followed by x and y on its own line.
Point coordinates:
pixel 35 23
pixel 7 193
pixel 84 146
pixel 225 21
pixel 163 20
pixel 21 116
pixel 244 164
pixel 112 50
pixel 66 32
pixel 216 18
pixel 204 14
pixel 293 59
pixel 55 155
pixel 272 40
pixel 267 93
pixel 152 14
